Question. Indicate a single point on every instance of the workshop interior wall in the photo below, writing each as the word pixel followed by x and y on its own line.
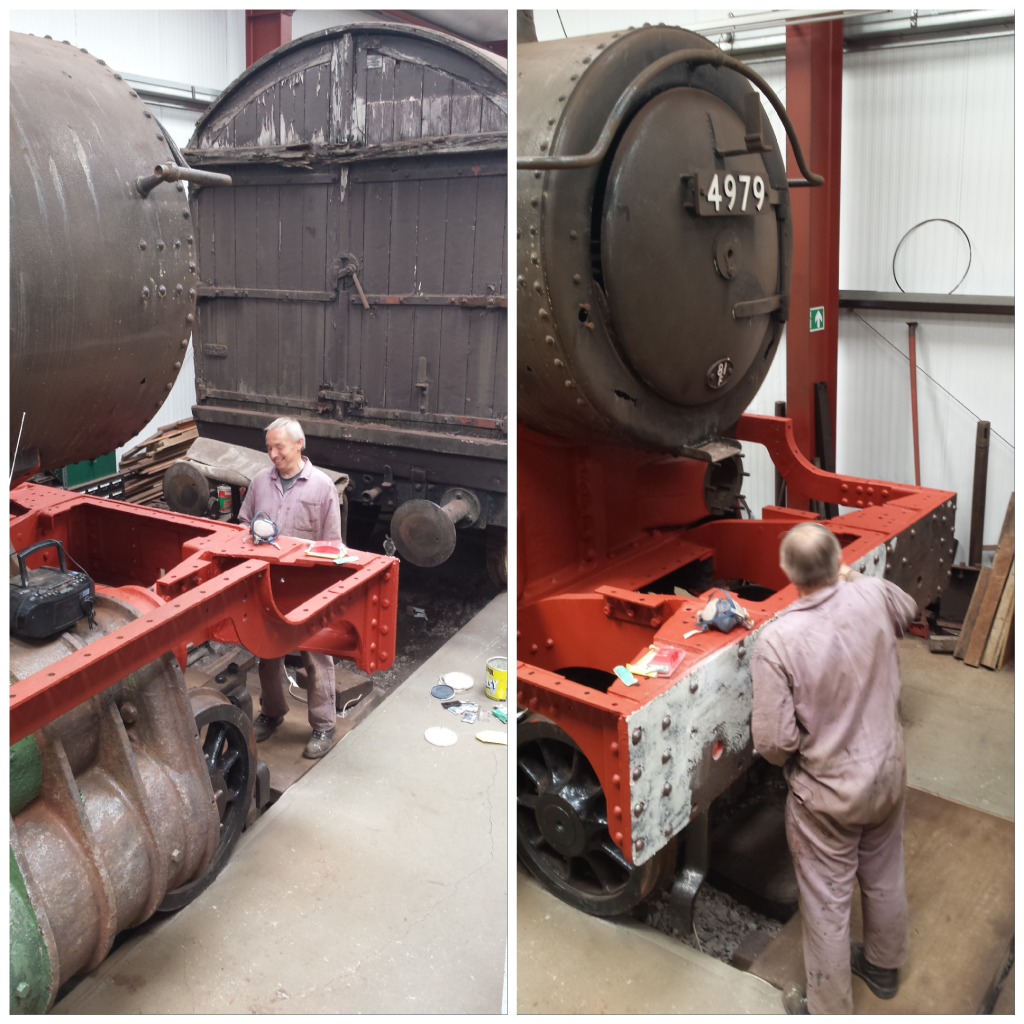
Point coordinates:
pixel 914 121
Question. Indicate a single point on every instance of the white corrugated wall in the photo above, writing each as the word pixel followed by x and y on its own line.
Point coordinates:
pixel 928 133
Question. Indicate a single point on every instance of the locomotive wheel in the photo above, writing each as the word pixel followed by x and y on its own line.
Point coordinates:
pixel 229 749
pixel 562 823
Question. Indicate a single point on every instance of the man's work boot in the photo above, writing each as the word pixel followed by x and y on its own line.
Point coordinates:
pixel 319 743
pixel 794 998
pixel 265 726
pixel 881 980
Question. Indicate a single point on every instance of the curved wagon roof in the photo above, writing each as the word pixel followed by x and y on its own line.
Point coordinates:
pixel 355 91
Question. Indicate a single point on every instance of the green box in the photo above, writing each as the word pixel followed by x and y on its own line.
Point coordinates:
pixel 90 469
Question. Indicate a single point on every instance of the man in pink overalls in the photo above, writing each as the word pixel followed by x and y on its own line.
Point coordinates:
pixel 303 503
pixel 826 705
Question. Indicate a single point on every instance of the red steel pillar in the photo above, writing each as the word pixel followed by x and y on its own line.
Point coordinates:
pixel 814 100
pixel 266 31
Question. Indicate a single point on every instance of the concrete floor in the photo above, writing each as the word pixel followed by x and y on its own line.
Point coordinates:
pixel 376 884
pixel 958 725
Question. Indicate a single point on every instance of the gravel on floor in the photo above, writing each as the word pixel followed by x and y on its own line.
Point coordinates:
pixel 721 922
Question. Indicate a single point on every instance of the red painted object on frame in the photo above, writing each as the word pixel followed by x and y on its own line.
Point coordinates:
pixel 596 545
pixel 194 580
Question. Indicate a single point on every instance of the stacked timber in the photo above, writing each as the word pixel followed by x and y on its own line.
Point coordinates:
pixel 144 466
pixel 987 635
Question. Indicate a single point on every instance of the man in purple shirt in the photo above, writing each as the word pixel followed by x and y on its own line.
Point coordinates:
pixel 303 503
pixel 826 706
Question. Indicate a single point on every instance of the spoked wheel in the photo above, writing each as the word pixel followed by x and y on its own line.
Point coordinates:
pixel 229 749
pixel 563 827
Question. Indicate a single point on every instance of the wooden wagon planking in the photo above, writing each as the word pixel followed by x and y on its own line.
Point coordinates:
pixel 373 153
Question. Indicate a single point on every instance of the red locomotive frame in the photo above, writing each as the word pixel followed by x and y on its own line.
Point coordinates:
pixel 593 530
pixel 194 580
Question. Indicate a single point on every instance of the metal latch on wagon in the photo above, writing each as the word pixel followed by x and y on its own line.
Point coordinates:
pixel 346 265
pixel 350 396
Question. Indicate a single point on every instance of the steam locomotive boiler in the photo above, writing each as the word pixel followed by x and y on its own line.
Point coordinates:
pixel 654 262
pixel 128 791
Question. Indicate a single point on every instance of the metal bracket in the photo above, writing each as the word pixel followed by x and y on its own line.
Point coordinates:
pixel 422 383
pixel 629 606
pixel 715 449
pixel 346 265
pixel 696 857
pixel 754 137
pixel 353 396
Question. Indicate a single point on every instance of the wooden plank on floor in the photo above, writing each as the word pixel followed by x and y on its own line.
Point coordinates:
pixel 997 636
pixel 960 889
pixel 993 592
pixel 972 612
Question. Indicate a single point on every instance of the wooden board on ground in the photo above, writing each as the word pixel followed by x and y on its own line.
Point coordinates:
pixel 999 634
pixel 972 612
pixel 960 889
pixel 993 592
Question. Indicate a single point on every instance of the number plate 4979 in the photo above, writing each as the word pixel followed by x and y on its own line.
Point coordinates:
pixel 731 194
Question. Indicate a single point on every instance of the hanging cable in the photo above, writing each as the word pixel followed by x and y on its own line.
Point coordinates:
pixel 930 377
pixel 933 220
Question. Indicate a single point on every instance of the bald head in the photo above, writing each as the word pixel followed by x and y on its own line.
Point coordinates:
pixel 809 556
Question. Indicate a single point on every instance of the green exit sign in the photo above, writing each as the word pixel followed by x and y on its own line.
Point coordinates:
pixel 817 318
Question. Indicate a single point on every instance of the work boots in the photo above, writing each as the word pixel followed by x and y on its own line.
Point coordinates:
pixel 881 980
pixel 794 998
pixel 319 743
pixel 265 726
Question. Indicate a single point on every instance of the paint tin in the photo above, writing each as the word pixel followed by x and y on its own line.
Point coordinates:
pixel 496 686
pixel 224 497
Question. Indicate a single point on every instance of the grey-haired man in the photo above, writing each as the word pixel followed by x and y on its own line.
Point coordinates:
pixel 303 503
pixel 826 705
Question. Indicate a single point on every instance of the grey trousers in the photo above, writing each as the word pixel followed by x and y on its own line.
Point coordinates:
pixel 320 692
pixel 828 856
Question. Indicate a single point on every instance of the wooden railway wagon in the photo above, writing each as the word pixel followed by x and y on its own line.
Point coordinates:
pixel 355 274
